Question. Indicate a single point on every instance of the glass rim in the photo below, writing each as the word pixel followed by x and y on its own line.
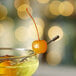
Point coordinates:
pixel 16 57
pixel 18 49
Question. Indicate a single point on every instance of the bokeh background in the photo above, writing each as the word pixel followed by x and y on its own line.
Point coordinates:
pixel 53 17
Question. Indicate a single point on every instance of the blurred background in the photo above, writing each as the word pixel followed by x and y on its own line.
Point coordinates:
pixel 53 17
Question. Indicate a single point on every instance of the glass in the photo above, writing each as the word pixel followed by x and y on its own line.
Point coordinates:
pixel 24 65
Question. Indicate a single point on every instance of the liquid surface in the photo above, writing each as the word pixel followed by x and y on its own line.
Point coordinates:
pixel 25 68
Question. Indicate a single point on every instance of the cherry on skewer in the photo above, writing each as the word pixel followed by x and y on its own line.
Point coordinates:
pixel 54 39
pixel 39 46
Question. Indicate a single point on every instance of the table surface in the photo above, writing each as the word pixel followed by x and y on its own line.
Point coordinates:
pixel 47 70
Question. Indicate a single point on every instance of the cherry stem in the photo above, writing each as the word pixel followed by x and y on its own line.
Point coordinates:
pixel 57 37
pixel 33 22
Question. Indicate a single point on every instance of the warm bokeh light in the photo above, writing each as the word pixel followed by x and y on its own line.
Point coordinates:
pixel 54 31
pixel 31 27
pixel 18 3
pixel 21 11
pixel 7 37
pixel 8 21
pixel 28 30
pixel 21 33
pixel 43 1
pixel 54 7
pixel 54 58
pixel 32 31
pixel 3 12
pixel 75 8
pixel 1 30
pixel 48 14
pixel 39 21
pixel 66 8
